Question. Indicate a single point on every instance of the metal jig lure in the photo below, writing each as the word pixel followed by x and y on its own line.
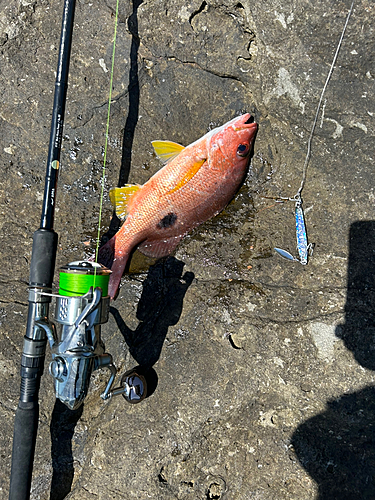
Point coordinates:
pixel 303 247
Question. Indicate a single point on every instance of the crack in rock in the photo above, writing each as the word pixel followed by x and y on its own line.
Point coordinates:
pixel 202 8
pixel 211 72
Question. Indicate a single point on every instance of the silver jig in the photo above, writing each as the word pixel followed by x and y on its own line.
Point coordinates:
pixel 303 247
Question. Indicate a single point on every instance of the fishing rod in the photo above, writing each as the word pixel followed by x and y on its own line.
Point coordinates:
pixel 82 306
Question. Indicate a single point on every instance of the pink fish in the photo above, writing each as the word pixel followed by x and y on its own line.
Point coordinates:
pixel 195 184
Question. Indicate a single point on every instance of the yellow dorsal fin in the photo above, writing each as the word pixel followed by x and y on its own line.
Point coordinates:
pixel 167 150
pixel 120 198
pixel 188 175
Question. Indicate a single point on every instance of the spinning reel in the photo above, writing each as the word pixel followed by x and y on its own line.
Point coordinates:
pixel 82 306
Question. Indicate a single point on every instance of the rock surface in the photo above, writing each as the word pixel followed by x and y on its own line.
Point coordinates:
pixel 264 368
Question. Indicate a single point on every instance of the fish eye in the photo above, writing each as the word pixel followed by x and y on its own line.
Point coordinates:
pixel 243 150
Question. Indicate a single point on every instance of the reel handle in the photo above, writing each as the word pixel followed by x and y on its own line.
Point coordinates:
pixel 133 387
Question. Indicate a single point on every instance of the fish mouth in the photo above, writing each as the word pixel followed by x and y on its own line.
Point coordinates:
pixel 244 122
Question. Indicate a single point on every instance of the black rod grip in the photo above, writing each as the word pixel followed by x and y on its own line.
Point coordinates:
pixel 24 439
pixel 43 258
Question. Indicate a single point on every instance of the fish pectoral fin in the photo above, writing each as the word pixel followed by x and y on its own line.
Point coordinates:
pixel 188 175
pixel 120 198
pixel 161 247
pixel 167 150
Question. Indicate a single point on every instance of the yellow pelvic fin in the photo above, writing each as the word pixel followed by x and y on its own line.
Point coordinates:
pixel 167 150
pixel 188 175
pixel 120 198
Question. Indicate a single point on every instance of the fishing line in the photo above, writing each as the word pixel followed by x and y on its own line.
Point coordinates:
pixel 72 283
pixel 308 154
pixel 106 136
pixel 304 249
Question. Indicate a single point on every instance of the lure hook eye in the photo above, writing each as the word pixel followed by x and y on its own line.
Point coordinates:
pixel 243 150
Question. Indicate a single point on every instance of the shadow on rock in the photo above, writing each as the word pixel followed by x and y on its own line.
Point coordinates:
pixel 62 427
pixel 358 331
pixel 159 307
pixel 337 447
pixel 132 118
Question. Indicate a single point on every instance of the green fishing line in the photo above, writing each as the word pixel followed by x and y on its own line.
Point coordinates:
pixel 78 277
pixel 79 284
pixel 107 133
pixel 75 278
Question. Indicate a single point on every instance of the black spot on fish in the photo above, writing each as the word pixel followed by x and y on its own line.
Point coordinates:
pixel 167 221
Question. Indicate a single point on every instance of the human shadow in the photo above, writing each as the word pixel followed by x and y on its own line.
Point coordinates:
pixel 159 307
pixel 337 447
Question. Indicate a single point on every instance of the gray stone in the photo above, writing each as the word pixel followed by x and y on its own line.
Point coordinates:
pixel 263 367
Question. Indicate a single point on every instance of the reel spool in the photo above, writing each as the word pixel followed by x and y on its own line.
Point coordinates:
pixel 78 277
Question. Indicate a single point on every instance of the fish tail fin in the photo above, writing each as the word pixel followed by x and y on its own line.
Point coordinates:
pixel 116 262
